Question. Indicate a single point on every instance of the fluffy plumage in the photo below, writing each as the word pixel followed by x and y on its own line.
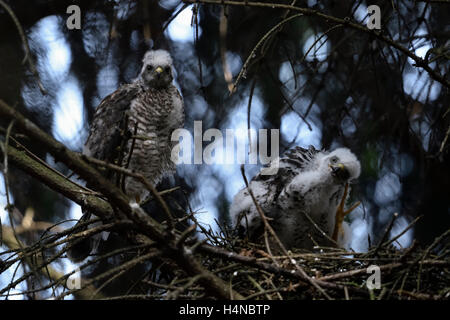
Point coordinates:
pixel 309 183
pixel 132 127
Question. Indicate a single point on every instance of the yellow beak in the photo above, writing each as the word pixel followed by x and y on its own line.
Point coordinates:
pixel 159 70
pixel 338 166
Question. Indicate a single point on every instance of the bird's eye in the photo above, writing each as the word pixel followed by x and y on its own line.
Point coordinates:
pixel 149 67
pixel 334 159
pixel 167 69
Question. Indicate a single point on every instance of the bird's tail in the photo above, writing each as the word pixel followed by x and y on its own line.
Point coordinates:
pixel 79 249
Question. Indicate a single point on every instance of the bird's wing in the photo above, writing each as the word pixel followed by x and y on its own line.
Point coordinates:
pixel 105 137
pixel 300 158
pixel 106 132
pixel 294 161
pixel 267 188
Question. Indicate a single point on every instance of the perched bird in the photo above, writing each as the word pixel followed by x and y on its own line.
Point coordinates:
pixel 132 128
pixel 303 201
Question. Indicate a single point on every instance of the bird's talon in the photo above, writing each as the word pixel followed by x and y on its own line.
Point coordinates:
pixel 341 213
pixel 353 207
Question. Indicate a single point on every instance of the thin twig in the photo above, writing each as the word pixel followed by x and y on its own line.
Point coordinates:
pixel 419 62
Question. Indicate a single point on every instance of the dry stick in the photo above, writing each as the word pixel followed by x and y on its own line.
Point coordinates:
pixel 323 233
pixel 35 157
pixel 125 266
pixel 266 293
pixel 36 226
pixel 186 233
pixel 12 242
pixel 445 140
pixel 23 254
pixel 421 258
pixel 15 243
pixel 258 45
pixel 267 244
pixel 223 24
pixel 386 233
pixel 167 286
pixel 249 108
pixel 75 162
pixel 161 193
pixel 254 83
pixel 30 251
pixel 419 296
pixel 408 251
pixel 194 21
pixel 173 17
pixel 294 73
pixel 4 148
pixel 13 276
pixel 90 288
pixel 253 262
pixel 428 250
pixel 318 39
pixel 77 237
pixel 257 286
pixel 308 109
pixel 139 297
pixel 419 62
pixel 269 279
pixel 389 266
pixel 41 244
pixel 104 284
pixel 272 232
pixel 9 207
pixel 355 272
pixel 209 281
pixel 173 295
pixel 139 177
pixel 403 232
pixel 435 243
pixel 59 183
pixel 50 273
pixel 267 44
pixel 146 224
pixel 45 263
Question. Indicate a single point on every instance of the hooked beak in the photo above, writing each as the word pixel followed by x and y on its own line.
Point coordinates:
pixel 340 171
pixel 159 70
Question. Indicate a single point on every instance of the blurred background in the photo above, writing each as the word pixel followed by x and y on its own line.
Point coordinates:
pixel 321 86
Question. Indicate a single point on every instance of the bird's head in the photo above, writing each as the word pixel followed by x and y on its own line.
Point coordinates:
pixel 342 164
pixel 157 69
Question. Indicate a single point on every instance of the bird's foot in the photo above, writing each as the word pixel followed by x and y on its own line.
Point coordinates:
pixel 341 213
